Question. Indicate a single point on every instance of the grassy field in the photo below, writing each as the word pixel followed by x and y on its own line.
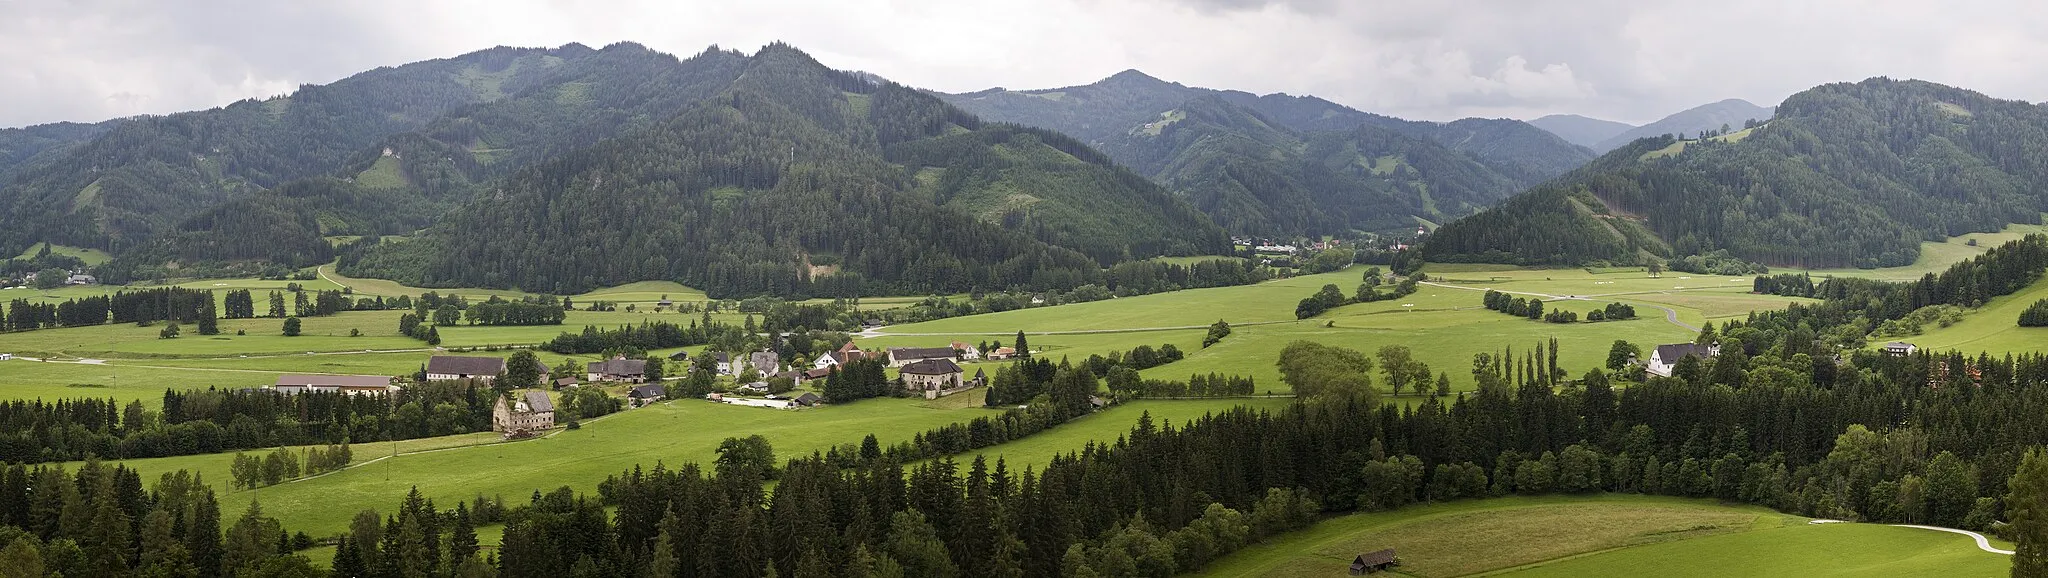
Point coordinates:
pixel 1993 327
pixel 1608 535
pixel 89 256
pixel 672 433
pixel 1797 551
pixel 1937 256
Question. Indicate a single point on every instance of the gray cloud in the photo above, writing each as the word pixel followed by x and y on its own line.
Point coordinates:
pixel 1630 61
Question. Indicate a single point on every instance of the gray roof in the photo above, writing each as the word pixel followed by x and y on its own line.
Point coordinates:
pixel 1676 351
pixel 932 367
pixel 618 367
pixel 765 360
pixel 463 365
pixel 921 353
pixel 333 381
pixel 680 355
pixel 647 391
pixel 537 401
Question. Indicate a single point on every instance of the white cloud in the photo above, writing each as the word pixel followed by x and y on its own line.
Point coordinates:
pixel 1631 61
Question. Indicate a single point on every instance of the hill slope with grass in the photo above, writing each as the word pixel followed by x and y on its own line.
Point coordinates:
pixel 1846 175
pixel 1287 165
pixel 794 178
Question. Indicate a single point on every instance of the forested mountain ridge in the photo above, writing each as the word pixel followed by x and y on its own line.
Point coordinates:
pixel 406 181
pixel 797 179
pixel 1289 165
pixel 29 146
pixel 1730 113
pixel 1256 176
pixel 147 173
pixel 1846 174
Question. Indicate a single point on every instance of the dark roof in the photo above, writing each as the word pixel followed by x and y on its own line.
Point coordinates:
pixel 1381 557
pixel 807 398
pixel 723 357
pixel 1673 352
pixel 979 374
pixel 817 373
pixel 537 401
pixel 764 360
pixel 333 381
pixel 619 367
pixel 932 367
pixel 462 365
pixel 679 356
pixel 647 391
pixel 565 381
pixel 1898 345
pixel 921 352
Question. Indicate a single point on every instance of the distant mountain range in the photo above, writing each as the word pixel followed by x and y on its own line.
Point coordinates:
pixel 1606 135
pixel 1846 174
pixel 1290 165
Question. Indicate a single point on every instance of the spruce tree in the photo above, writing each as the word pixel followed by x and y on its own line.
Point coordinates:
pixel 2026 503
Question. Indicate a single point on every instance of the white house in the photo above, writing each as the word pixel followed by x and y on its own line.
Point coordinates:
pixel 349 384
pixel 968 352
pixel 1900 349
pixel 1665 357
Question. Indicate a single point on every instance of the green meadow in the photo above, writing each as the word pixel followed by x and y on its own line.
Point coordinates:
pixel 89 256
pixel 1992 328
pixel 1610 535
pixel 672 433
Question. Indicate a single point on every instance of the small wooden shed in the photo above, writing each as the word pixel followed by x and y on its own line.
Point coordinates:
pixel 1371 562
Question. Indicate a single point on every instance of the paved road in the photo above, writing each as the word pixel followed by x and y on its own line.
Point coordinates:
pixel 1982 544
pixel 1670 315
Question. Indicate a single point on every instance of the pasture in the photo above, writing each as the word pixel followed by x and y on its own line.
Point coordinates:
pixel 1993 328
pixel 673 433
pixel 1936 256
pixel 1608 535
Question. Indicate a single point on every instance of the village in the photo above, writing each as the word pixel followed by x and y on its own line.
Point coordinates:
pixel 754 379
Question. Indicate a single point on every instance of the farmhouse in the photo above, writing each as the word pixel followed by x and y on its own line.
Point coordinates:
pixel 646 394
pixel 1665 357
pixel 452 367
pixel 533 411
pixel 565 382
pixel 724 363
pixel 618 369
pixel 82 279
pixel 1003 353
pixel 1371 562
pixel 902 356
pixel 845 354
pixel 765 362
pixel 349 384
pixel 932 376
pixel 808 399
pixel 679 356
pixel 1900 349
pixel 967 351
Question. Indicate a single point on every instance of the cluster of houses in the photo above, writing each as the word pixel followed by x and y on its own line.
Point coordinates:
pixel 1664 359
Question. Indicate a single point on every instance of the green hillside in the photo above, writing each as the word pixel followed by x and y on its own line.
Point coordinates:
pixel 1286 165
pixel 1846 175
pixel 744 191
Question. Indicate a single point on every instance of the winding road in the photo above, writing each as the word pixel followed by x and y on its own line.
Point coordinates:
pixel 1982 544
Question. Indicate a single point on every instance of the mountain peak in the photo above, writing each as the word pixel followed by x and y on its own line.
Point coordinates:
pixel 1132 76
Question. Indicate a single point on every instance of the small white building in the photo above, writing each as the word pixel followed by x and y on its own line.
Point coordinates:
pixel 349 384
pixel 1900 349
pixel 1665 358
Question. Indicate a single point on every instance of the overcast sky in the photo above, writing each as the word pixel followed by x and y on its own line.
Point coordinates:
pixel 1633 61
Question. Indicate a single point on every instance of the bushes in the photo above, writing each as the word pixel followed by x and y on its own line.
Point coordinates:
pixel 1533 309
